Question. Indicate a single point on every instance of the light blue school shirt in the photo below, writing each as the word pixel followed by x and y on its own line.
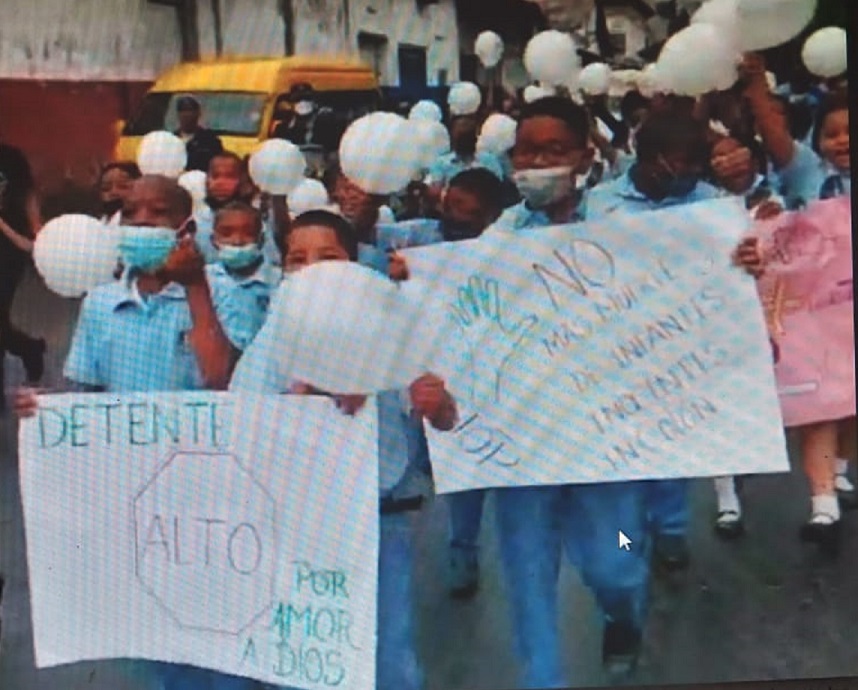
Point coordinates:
pixel 204 218
pixel 124 342
pixel 257 372
pixel 419 232
pixel 621 196
pixel 242 301
pixel 446 167
pixel 808 177
pixel 522 217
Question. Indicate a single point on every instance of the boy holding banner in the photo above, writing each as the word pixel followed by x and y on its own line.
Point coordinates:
pixel 672 153
pixel 535 523
pixel 471 204
pixel 322 236
pixel 156 329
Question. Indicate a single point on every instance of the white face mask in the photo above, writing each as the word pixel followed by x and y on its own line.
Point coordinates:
pixel 304 108
pixel 544 187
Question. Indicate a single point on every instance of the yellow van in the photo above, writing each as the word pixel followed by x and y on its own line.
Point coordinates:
pixel 243 98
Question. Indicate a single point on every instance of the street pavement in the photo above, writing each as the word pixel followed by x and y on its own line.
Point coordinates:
pixel 765 607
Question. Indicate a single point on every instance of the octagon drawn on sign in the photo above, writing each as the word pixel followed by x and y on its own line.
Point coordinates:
pixel 205 542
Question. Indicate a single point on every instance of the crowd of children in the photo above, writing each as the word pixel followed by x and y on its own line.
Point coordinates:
pixel 188 312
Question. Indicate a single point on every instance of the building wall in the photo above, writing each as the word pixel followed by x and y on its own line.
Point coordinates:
pixel 248 27
pixel 434 28
pixel 128 40
pixel 70 69
pixel 320 27
pixel 324 26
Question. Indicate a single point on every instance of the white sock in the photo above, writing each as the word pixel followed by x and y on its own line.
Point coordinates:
pixel 728 499
pixel 825 505
pixel 842 466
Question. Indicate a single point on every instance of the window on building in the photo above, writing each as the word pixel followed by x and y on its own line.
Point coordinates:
pixel 373 51
pixel 442 77
pixel 412 66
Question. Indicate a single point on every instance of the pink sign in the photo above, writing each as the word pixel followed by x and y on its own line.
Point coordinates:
pixel 807 293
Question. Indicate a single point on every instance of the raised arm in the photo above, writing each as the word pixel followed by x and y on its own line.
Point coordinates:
pixel 216 356
pixel 769 118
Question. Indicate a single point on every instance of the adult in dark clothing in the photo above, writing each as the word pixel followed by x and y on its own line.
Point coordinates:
pixel 19 221
pixel 202 144
pixel 306 123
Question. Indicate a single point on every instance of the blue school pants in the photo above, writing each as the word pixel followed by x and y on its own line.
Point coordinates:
pixel 466 514
pixel 534 525
pixel 397 665
pixel 181 677
pixel 667 506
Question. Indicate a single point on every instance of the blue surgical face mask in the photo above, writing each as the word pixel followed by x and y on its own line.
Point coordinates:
pixel 239 257
pixel 146 249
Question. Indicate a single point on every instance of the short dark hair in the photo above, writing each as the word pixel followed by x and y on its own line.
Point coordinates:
pixel 230 155
pixel 179 198
pixel 241 207
pixel 672 130
pixel 570 113
pixel 130 168
pixel 633 100
pixel 187 102
pixel 483 184
pixel 345 231
pixel 839 100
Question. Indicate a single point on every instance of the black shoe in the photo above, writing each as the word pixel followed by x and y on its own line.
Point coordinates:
pixel 34 361
pixel 826 535
pixel 621 646
pixel 464 573
pixel 729 525
pixel 671 552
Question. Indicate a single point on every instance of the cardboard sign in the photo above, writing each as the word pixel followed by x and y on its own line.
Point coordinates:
pixel 807 292
pixel 624 349
pixel 228 532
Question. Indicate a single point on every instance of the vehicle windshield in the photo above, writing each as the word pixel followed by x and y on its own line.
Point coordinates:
pixel 237 114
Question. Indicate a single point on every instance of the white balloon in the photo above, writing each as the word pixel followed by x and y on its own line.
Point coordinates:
pixel 595 79
pixel 825 52
pixel 195 182
pixel 162 153
pixel 497 135
pixel 433 138
pixel 277 167
pixel 649 81
pixel 489 48
pixel 769 23
pixel 721 13
pixel 534 92
pixel 698 60
pixel 75 253
pixel 426 110
pixel 359 332
pixel 551 58
pixel 379 155
pixel 464 98
pixel 310 195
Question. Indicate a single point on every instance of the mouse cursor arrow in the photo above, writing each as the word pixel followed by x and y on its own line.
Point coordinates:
pixel 625 542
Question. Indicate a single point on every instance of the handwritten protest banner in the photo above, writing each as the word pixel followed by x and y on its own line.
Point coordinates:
pixel 232 533
pixel 605 351
pixel 807 291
